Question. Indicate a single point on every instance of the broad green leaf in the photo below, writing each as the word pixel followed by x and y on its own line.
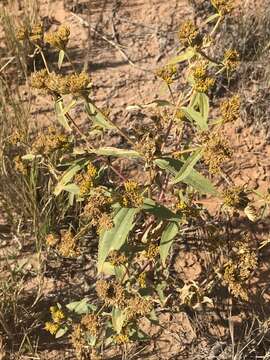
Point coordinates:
pixel 118 271
pixel 159 210
pixel 200 100
pixel 188 166
pixel 160 291
pixel 61 117
pixel 188 54
pixel 166 241
pixel 200 183
pixel 68 107
pixel 81 307
pixel 60 58
pixel 112 151
pixel 114 238
pixel 204 106
pixel 66 177
pixel 72 188
pixel 195 116
pixel 97 116
pixel 61 332
pixel 118 319
pixel 194 179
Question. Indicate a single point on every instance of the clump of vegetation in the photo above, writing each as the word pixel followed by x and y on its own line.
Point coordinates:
pixel 72 187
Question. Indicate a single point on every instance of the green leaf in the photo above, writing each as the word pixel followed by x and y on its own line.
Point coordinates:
pixel 61 332
pixel 211 18
pixel 188 54
pixel 66 177
pixel 119 272
pixel 204 106
pixel 195 116
pixel 188 166
pixel 30 157
pixel 81 307
pixel 112 151
pixel 159 210
pixel 194 179
pixel 60 58
pixel 166 241
pixel 114 238
pixel 200 183
pixel 118 319
pixel 60 114
pixel 96 115
pixel 72 188
pixel 69 106
pixel 202 101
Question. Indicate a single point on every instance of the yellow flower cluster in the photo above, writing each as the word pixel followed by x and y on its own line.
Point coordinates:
pixel 91 323
pixel 38 79
pixel 33 34
pixel 67 245
pixel 230 109
pixel 57 318
pixel 51 240
pixel 224 7
pixel 112 293
pixel 167 73
pixel 116 258
pixel 57 314
pixel 132 196
pixel 60 84
pixel 239 269
pixel 231 60
pixel 46 143
pixel 98 209
pixel 189 34
pixel 77 340
pixel 148 147
pixel 68 84
pixel 36 33
pixel 186 209
pixel 51 327
pixel 19 165
pixel 235 197
pixel 85 181
pixel 121 339
pixel 142 279
pixel 202 82
pixel 58 39
pixel 138 306
pixel 216 152
pixel 152 251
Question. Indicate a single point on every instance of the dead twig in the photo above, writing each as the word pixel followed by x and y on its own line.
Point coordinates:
pixel 114 44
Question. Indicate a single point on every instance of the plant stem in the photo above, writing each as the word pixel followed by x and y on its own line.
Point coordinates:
pixel 44 59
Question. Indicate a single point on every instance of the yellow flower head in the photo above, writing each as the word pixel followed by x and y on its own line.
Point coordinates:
pixel 51 327
pixel 231 60
pixel 189 34
pixel 230 109
pixel 167 73
pixel 57 314
pixel 224 7
pixel 132 196
pixel 59 38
